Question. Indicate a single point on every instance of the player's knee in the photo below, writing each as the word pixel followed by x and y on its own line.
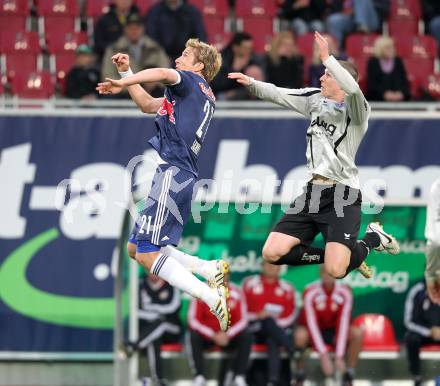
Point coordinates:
pixel 131 250
pixel 270 254
pixel 335 270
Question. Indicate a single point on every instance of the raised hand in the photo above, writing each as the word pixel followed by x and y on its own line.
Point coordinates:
pixel 122 61
pixel 110 86
pixel 240 78
pixel 322 43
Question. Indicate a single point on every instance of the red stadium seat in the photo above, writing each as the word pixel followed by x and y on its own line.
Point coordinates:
pixel 432 85
pixel 360 45
pixel 305 44
pixel 420 46
pixel 361 65
pixel 171 347
pixel 11 24
pixel 212 7
pixel 57 25
pixel 36 85
pixel 255 8
pixel 418 71
pixel 261 31
pixel 378 331
pixel 60 43
pixel 19 63
pixel 403 27
pixel 96 8
pixel 145 5
pixel 61 64
pixel 19 42
pixel 58 8
pixel 405 9
pixel 215 28
pixel 431 348
pixel 14 7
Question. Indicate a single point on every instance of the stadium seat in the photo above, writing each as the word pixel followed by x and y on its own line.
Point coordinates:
pixel 361 65
pixel 58 8
pixel 432 87
pixel 57 25
pixel 171 347
pixel 255 8
pixel 360 45
pixel 431 348
pixel 36 85
pixel 96 8
pixel 60 43
pixel 418 71
pixel 305 44
pixel 405 9
pixel 215 28
pixel 12 23
pixel 261 31
pixel 212 7
pixel 60 65
pixel 378 332
pixel 14 7
pixel 19 63
pixel 418 46
pixel 403 27
pixel 19 42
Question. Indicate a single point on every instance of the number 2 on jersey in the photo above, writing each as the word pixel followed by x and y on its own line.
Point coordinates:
pixel 203 128
pixel 144 220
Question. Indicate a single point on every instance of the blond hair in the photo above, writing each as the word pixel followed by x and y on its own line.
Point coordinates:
pixel 379 45
pixel 275 44
pixel 208 55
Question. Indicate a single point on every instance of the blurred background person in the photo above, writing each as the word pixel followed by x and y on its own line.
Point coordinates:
pixel 422 320
pixel 432 234
pixel 172 22
pixel 284 64
pixel 144 53
pixel 386 74
pixel 327 314
pixel 346 16
pixel 159 322
pixel 431 16
pixel 304 15
pixel 239 56
pixel 316 68
pixel 83 77
pixel 110 26
pixel 204 332
pixel 272 312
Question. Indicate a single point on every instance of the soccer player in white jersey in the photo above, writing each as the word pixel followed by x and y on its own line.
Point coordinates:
pixel 432 234
pixel 331 201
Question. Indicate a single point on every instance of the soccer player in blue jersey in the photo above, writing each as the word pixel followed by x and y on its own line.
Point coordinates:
pixel 183 116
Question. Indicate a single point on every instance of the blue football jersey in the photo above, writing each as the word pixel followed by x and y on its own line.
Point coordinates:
pixel 183 120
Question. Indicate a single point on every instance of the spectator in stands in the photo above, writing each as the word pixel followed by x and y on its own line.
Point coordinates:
pixel 422 320
pixel 83 77
pixel 327 315
pixel 110 26
pixel 386 74
pixel 345 16
pixel 172 22
pixel 316 68
pixel 432 234
pixel 205 332
pixel 304 15
pixel 159 306
pixel 272 311
pixel 431 15
pixel 284 64
pixel 238 56
pixel 144 53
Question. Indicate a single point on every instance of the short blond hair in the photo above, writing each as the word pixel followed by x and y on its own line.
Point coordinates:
pixel 208 55
pixel 380 43
pixel 276 42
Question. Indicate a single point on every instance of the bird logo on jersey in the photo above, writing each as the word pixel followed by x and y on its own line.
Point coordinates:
pixel 167 108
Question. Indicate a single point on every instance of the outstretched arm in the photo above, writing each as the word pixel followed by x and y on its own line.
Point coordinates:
pixel 143 99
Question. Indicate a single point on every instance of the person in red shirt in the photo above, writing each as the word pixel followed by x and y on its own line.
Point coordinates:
pixel 271 311
pixel 327 315
pixel 205 332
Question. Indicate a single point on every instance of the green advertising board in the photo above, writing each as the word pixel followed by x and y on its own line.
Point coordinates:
pixel 225 232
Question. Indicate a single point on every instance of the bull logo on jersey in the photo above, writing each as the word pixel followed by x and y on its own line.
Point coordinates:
pixel 328 127
pixel 167 108
pixel 207 91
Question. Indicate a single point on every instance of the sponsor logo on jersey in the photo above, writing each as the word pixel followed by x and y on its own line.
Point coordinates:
pixel 207 91
pixel 167 108
pixel 330 128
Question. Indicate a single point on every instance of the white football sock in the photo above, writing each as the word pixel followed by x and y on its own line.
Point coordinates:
pixel 194 264
pixel 169 269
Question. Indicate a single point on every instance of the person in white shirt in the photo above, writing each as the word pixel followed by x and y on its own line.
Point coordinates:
pixel 432 234
pixel 331 201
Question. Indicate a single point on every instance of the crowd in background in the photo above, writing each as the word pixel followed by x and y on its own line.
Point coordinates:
pixel 157 37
